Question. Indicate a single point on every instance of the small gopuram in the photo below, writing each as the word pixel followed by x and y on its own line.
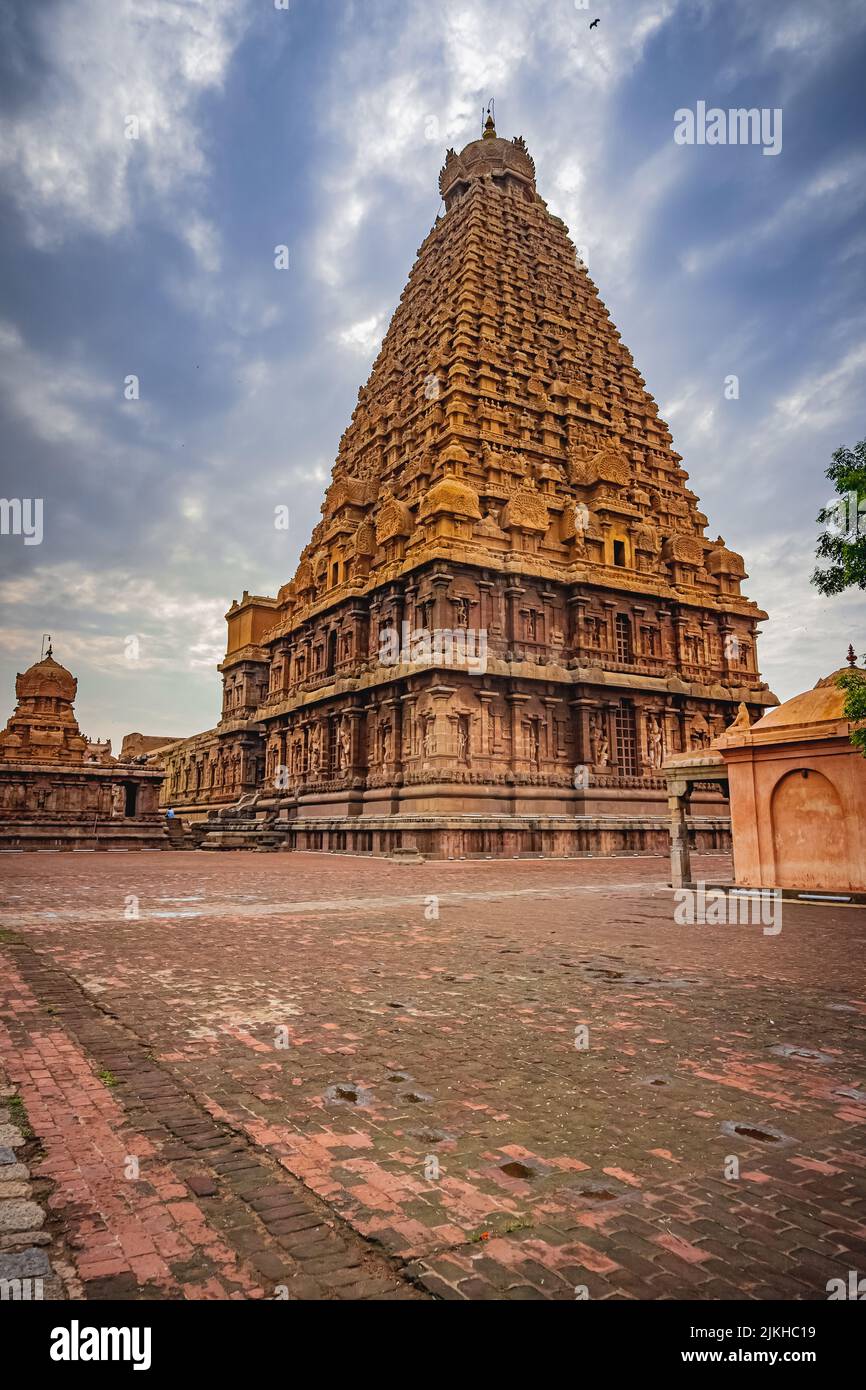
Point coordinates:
pixel 509 613
pixel 797 789
pixel 57 790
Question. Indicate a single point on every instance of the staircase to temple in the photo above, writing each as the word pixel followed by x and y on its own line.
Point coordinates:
pixel 249 832
pixel 183 834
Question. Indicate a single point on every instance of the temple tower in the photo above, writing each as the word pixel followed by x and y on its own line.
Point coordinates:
pixel 510 607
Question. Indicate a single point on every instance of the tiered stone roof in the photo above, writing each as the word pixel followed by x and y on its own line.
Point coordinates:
pixel 43 727
pixel 504 422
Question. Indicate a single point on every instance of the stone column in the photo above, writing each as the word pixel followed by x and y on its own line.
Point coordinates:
pixel 610 638
pixel 485 700
pixel 356 760
pixel 370 715
pixel 373 635
pixel 408 727
pixel 441 583
pixel 582 709
pixel 516 701
pixel 609 715
pixel 512 594
pixel 550 702
pixel 395 705
pixel 410 595
pixel 678 804
pixel 577 636
pixel 485 604
pixel 442 733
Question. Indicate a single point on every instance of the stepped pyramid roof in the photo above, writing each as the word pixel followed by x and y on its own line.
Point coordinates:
pixel 504 422
pixel 43 726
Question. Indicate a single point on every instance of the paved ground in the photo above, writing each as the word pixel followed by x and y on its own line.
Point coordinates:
pixel 257 1075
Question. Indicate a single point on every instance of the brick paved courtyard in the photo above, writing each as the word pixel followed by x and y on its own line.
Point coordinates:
pixel 286 1076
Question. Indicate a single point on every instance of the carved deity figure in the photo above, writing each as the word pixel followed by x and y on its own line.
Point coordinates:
pixel 534 741
pixel 384 742
pixel 462 738
pixel 344 746
pixel 654 742
pixel 315 749
pixel 598 741
pixel 700 734
pixel 594 737
pixel 461 606
pixel 429 736
pixel 118 800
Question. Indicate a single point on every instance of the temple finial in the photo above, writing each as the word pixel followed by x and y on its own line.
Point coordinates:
pixel 852 655
pixel 489 124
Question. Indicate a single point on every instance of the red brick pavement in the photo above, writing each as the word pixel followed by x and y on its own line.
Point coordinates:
pixel 337 1073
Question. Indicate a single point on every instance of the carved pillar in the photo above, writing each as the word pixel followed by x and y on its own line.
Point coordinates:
pixel 679 626
pixel 549 750
pixel 394 705
pixel 582 711
pixel 486 617
pixel 609 714
pixel 516 703
pixel 373 644
pixel 410 596
pixel 513 593
pixel 577 635
pixel 641 729
pixel 610 638
pixel 441 616
pixel 371 714
pixel 678 804
pixel 409 729
pixel 485 700
pixel 357 762
pixel 439 751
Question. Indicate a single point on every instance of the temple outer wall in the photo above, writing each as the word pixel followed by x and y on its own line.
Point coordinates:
pixel 43 806
pixel 791 831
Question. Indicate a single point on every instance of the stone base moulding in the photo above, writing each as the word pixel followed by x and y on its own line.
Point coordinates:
pixel 470 837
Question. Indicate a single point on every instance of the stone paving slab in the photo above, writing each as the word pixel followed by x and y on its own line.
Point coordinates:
pixel 357 1078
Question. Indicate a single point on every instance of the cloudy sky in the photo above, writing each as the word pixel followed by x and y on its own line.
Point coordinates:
pixel 321 126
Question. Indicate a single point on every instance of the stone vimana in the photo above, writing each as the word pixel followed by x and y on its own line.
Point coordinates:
pixel 507 501
pixel 60 790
